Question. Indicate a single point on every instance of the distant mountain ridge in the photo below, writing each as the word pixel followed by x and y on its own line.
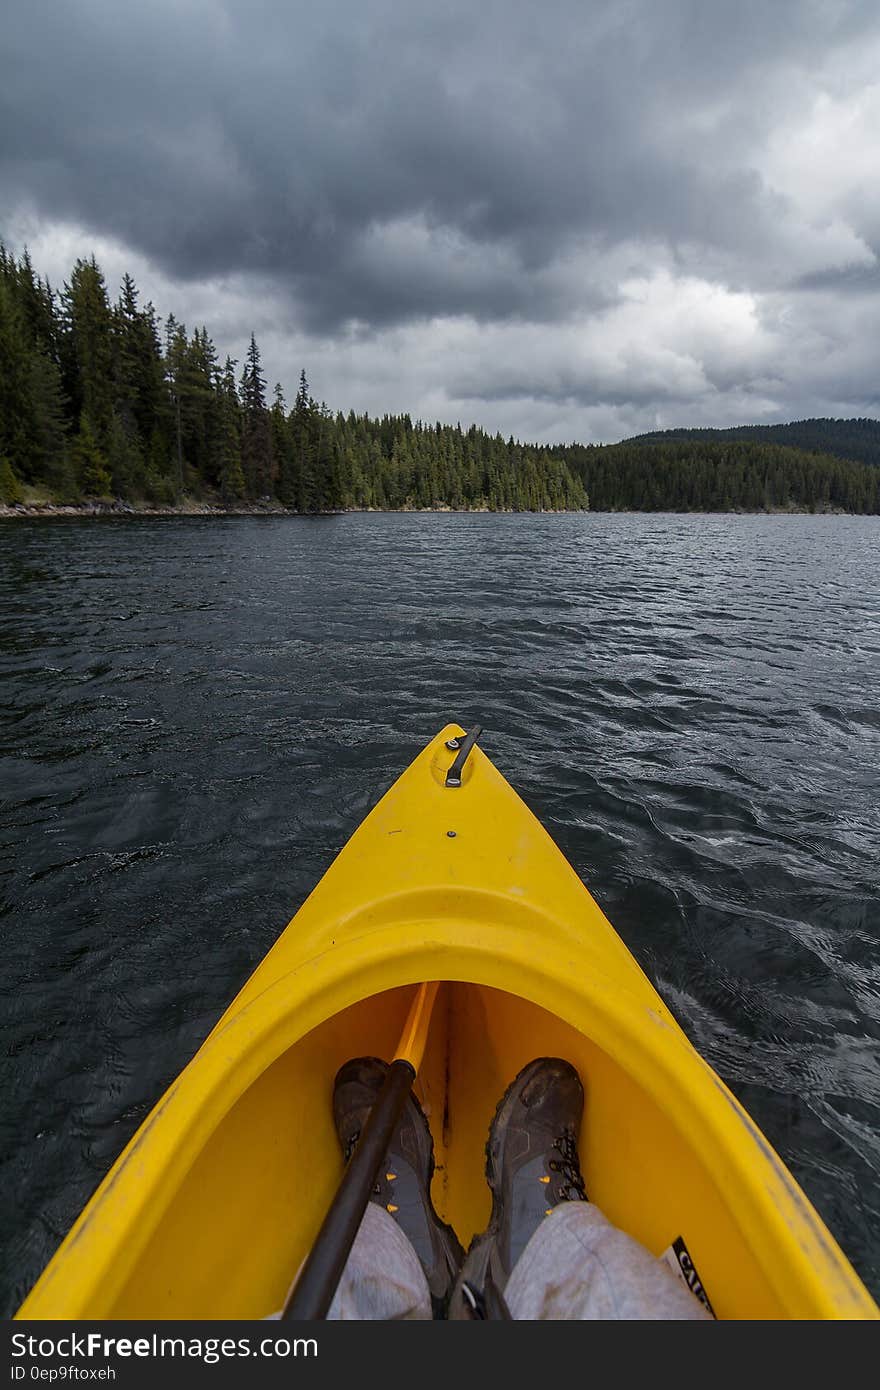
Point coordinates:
pixel 857 440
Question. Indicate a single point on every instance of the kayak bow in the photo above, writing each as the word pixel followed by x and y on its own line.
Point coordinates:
pixel 217 1199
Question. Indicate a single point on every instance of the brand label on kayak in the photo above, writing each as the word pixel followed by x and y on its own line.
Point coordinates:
pixel 678 1257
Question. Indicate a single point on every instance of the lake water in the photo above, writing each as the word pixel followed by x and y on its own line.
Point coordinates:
pixel 198 713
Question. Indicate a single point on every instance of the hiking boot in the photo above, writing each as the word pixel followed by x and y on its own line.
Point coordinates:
pixel 531 1165
pixel 403 1187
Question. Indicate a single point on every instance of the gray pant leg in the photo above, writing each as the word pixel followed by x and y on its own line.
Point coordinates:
pixel 383 1276
pixel 578 1266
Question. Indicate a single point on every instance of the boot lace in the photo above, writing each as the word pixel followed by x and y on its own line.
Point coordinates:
pixel 573 1188
pixel 349 1149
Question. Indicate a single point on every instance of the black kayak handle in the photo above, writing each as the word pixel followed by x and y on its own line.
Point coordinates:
pixel 464 746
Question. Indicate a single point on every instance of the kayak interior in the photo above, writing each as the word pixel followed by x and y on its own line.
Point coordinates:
pixel 239 1222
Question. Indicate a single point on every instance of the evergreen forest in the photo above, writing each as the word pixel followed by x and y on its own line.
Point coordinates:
pixel 103 402
pixel 697 475
pixel 857 439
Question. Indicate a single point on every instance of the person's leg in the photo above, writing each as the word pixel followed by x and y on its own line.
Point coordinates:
pixel 547 1250
pixel 404 1258
pixel 401 1236
pixel 578 1266
pixel 383 1276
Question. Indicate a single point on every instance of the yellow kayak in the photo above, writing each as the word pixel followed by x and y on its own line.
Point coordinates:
pixel 204 1215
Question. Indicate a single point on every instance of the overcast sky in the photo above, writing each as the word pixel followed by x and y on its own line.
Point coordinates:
pixel 565 219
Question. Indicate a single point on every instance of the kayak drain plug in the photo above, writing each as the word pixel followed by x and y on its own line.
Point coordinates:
pixel 451 834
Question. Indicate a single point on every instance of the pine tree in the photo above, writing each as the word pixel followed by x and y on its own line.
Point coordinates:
pixel 326 460
pixel 302 449
pixel 89 356
pixel 32 405
pixel 281 445
pixel 93 475
pixel 49 415
pixel 125 458
pixel 17 425
pixel 175 377
pixel 139 398
pixel 11 491
pixel 231 480
pixel 256 437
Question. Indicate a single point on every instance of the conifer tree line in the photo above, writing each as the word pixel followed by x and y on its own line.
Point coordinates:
pixel 855 439
pixel 102 400
pixel 700 475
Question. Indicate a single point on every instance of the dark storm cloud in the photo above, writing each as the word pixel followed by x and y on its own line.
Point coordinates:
pixel 220 137
pixel 853 280
pixel 658 206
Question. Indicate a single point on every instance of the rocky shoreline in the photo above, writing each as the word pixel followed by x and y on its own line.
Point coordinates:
pixel 141 509
pixel 34 510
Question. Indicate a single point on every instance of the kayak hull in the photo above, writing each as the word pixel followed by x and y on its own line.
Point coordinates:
pixel 210 1210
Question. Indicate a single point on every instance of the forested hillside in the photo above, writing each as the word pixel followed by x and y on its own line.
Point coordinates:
pixel 100 400
pixel 694 475
pixel 858 440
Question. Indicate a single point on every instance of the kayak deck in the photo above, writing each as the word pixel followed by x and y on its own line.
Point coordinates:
pixel 214 1204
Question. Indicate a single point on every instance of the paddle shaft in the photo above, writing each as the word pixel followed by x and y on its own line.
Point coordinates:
pixel 316 1285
